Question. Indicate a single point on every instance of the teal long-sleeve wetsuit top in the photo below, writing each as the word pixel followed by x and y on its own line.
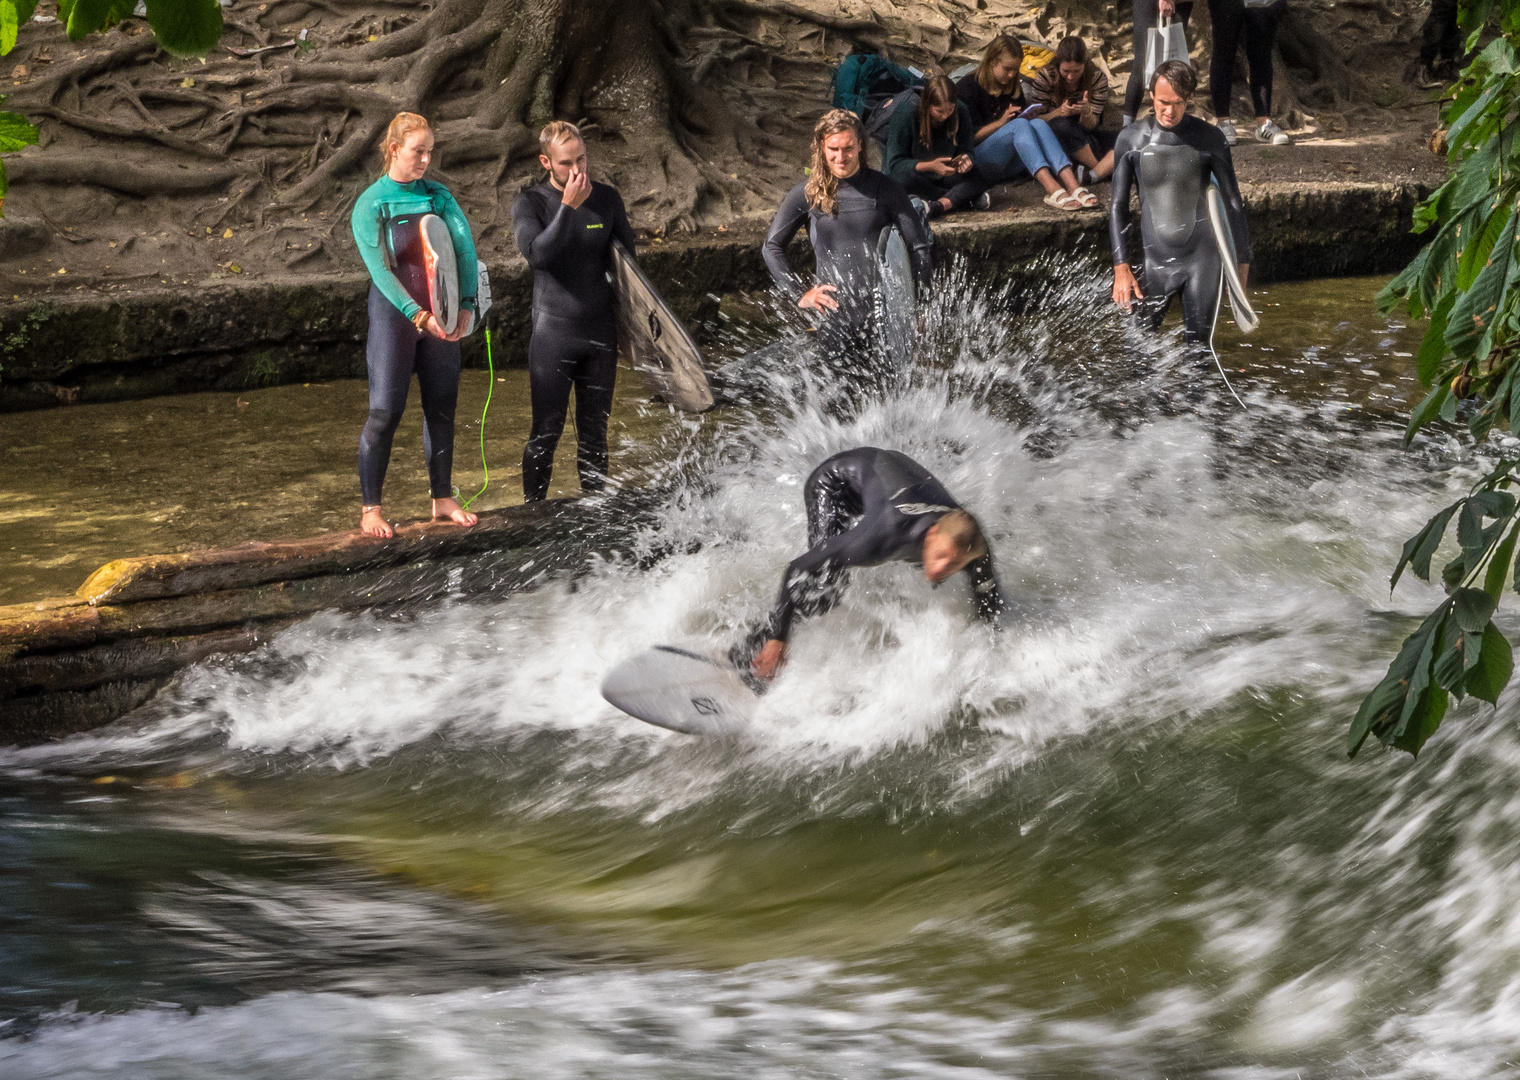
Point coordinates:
pixel 386 199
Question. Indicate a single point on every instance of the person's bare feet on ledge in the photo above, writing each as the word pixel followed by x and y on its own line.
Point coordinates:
pixel 373 523
pixel 449 510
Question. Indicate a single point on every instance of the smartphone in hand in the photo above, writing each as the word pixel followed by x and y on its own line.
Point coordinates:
pixel 1033 110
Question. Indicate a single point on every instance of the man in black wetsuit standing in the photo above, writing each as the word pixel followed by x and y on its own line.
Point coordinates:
pixel 1172 158
pixel 846 208
pixel 565 227
pixel 866 507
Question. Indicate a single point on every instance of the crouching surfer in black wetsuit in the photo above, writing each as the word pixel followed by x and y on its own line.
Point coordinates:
pixel 866 507
pixel 1171 156
pixel 565 227
pixel 846 208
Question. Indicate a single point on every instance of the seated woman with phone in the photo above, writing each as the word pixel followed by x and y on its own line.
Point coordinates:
pixel 928 151
pixel 1074 92
pixel 1010 137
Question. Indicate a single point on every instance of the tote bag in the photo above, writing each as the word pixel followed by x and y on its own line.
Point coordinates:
pixel 1163 42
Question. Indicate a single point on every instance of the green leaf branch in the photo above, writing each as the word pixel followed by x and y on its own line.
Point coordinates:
pixel 1465 281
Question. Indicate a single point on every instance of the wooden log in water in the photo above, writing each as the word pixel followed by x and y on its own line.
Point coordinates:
pixel 151 577
pixel 75 662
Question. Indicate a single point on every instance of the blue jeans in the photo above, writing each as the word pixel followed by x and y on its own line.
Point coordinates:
pixel 1019 146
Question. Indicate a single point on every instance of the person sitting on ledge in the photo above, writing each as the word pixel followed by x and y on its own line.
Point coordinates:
pixel 928 151
pixel 1074 92
pixel 1010 139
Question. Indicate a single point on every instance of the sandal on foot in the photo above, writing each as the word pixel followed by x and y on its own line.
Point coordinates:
pixel 1061 200
pixel 1085 199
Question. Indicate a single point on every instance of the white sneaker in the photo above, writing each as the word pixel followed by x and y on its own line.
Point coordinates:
pixel 1271 133
pixel 1227 128
pixel 983 201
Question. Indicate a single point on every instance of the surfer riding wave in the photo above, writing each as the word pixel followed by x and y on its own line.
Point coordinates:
pixel 866 507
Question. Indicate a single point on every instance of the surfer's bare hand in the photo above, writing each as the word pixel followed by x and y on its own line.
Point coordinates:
pixel 1126 288
pixel 1245 273
pixel 429 325
pixel 768 660
pixel 818 299
pixel 463 326
pixel 577 189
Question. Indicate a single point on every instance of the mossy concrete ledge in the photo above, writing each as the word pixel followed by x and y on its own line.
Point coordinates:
pixel 72 663
pixel 60 349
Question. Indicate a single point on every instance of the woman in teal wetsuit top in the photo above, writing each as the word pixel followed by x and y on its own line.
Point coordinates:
pixel 403 335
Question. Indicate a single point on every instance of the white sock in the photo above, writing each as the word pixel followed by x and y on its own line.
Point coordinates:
pixel 1128 119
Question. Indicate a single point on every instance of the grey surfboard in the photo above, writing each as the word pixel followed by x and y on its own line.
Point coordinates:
pixel 680 690
pixel 655 342
pixel 1240 304
pixel 897 298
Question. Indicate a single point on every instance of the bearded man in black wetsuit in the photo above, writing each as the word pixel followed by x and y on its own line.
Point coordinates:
pixel 1172 157
pixel 866 507
pixel 846 208
pixel 565 227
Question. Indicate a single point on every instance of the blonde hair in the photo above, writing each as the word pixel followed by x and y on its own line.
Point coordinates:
pixel 962 528
pixel 557 131
pixel 404 125
pixel 823 186
pixel 938 90
pixel 998 48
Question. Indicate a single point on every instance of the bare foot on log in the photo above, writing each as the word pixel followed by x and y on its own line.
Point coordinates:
pixel 373 523
pixel 449 510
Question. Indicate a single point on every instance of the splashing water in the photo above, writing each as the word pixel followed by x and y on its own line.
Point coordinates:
pixel 1119 838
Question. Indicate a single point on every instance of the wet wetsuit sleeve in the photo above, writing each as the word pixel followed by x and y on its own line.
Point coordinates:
pixel 789 218
pixel 365 221
pixel 541 244
pixel 897 159
pixel 914 234
pixel 853 547
pixel 1224 171
pixel 986 591
pixel 464 245
pixel 1118 211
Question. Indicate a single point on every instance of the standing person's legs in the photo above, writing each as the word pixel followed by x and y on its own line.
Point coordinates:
pixel 390 352
pixel 550 363
pixel 1261 32
pixel 1228 17
pixel 594 376
pixel 438 385
pixel 1200 299
pixel 1134 92
pixel 1146 16
pixel 1440 38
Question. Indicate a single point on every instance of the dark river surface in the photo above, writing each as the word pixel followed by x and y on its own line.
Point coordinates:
pixel 1119 839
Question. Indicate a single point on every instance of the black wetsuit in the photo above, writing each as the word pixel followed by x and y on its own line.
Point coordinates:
pixel 574 343
pixel 844 250
pixel 866 507
pixel 1172 167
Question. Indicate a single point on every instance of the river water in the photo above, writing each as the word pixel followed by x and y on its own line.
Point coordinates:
pixel 1119 839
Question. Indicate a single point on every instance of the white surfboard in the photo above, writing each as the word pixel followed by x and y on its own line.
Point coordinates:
pixel 680 690
pixel 654 340
pixel 442 270
pixel 897 297
pixel 1240 304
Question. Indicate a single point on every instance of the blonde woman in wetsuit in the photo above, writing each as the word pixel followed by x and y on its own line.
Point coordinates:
pixel 404 337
